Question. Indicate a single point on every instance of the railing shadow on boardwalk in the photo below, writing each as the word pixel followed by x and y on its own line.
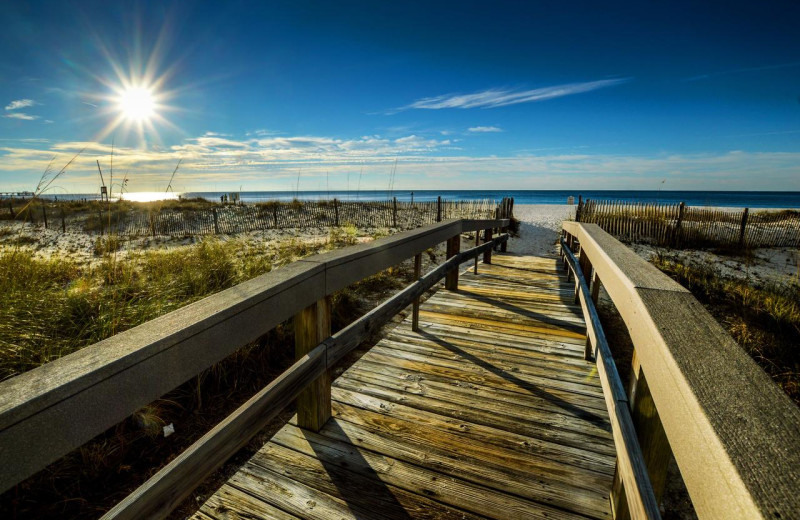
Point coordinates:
pixel 379 495
pixel 525 385
pixel 564 324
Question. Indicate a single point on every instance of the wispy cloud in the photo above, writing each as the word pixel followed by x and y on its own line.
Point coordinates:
pixel 20 103
pixel 700 77
pixel 484 129
pixel 21 115
pixel 424 163
pixel 498 97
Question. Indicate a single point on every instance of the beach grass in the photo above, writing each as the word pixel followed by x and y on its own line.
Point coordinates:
pixel 763 318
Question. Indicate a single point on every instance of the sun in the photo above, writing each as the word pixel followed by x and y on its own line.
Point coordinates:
pixel 137 104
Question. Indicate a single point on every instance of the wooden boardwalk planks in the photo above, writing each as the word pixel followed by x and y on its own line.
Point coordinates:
pixel 489 411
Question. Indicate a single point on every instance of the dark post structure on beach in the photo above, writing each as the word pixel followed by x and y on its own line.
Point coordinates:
pixel 44 215
pixel 312 326
pixel 439 208
pixel 580 207
pixel 63 221
pixel 681 210
pixel 744 226
pixel 394 212
pixel 335 213
pixel 11 210
pixel 216 221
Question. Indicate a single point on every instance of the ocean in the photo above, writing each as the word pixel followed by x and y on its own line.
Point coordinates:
pixel 751 199
pixel 756 199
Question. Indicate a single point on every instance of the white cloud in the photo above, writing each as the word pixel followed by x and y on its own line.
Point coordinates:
pixel 423 163
pixel 484 129
pixel 494 98
pixel 20 103
pixel 21 115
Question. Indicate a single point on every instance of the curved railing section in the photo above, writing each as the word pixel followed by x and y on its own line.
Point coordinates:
pixel 694 393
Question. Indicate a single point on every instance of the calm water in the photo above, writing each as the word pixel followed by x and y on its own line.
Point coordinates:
pixel 759 199
pixel 755 199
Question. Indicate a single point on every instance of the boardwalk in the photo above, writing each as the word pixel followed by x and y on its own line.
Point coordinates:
pixel 489 411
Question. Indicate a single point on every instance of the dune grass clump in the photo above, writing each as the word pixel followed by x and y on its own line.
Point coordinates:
pixel 764 320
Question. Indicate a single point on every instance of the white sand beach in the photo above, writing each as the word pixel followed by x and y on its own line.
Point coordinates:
pixel 540 226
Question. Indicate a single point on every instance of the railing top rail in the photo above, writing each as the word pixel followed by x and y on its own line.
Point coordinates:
pixel 735 435
pixel 119 375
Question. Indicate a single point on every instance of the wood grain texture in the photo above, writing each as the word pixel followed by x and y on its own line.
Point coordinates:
pixel 488 411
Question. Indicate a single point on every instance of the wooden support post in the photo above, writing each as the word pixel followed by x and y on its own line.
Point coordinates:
pixel 415 308
pixel 216 221
pixel 312 326
pixel 487 255
pixel 44 215
pixel 477 243
pixel 742 229
pixel 439 208
pixel 652 439
pixel 453 248
pixel 63 221
pixel 394 212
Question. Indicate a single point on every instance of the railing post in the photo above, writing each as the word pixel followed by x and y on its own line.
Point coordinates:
pixel 487 237
pixel 415 308
pixel 652 440
pixel 312 325
pixel 477 243
pixel 453 248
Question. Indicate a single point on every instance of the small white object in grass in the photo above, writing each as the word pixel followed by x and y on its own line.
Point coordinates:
pixel 169 429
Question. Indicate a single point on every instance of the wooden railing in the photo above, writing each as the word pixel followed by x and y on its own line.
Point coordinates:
pixel 55 408
pixel 694 394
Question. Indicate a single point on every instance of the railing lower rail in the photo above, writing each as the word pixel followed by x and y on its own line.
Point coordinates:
pixel 641 500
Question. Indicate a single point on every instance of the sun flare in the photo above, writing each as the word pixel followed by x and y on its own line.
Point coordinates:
pixel 137 104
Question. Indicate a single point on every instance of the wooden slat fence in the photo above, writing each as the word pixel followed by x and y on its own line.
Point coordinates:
pixel 679 225
pixel 229 219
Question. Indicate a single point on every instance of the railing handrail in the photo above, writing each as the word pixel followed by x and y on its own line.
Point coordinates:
pixel 57 407
pixel 734 434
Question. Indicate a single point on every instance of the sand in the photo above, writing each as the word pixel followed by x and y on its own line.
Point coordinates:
pixel 540 226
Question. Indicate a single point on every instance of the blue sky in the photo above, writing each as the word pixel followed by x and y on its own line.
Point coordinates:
pixel 506 95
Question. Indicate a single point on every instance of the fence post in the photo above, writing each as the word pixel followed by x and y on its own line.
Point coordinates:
pixel 487 237
pixel 415 308
pixel 335 213
pixel 681 210
pixel 743 228
pixel 439 208
pixel 63 221
pixel 312 326
pixel 453 248
pixel 11 209
pixel 504 214
pixel 44 215
pixel 216 221
pixel 578 210
pixel 394 212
